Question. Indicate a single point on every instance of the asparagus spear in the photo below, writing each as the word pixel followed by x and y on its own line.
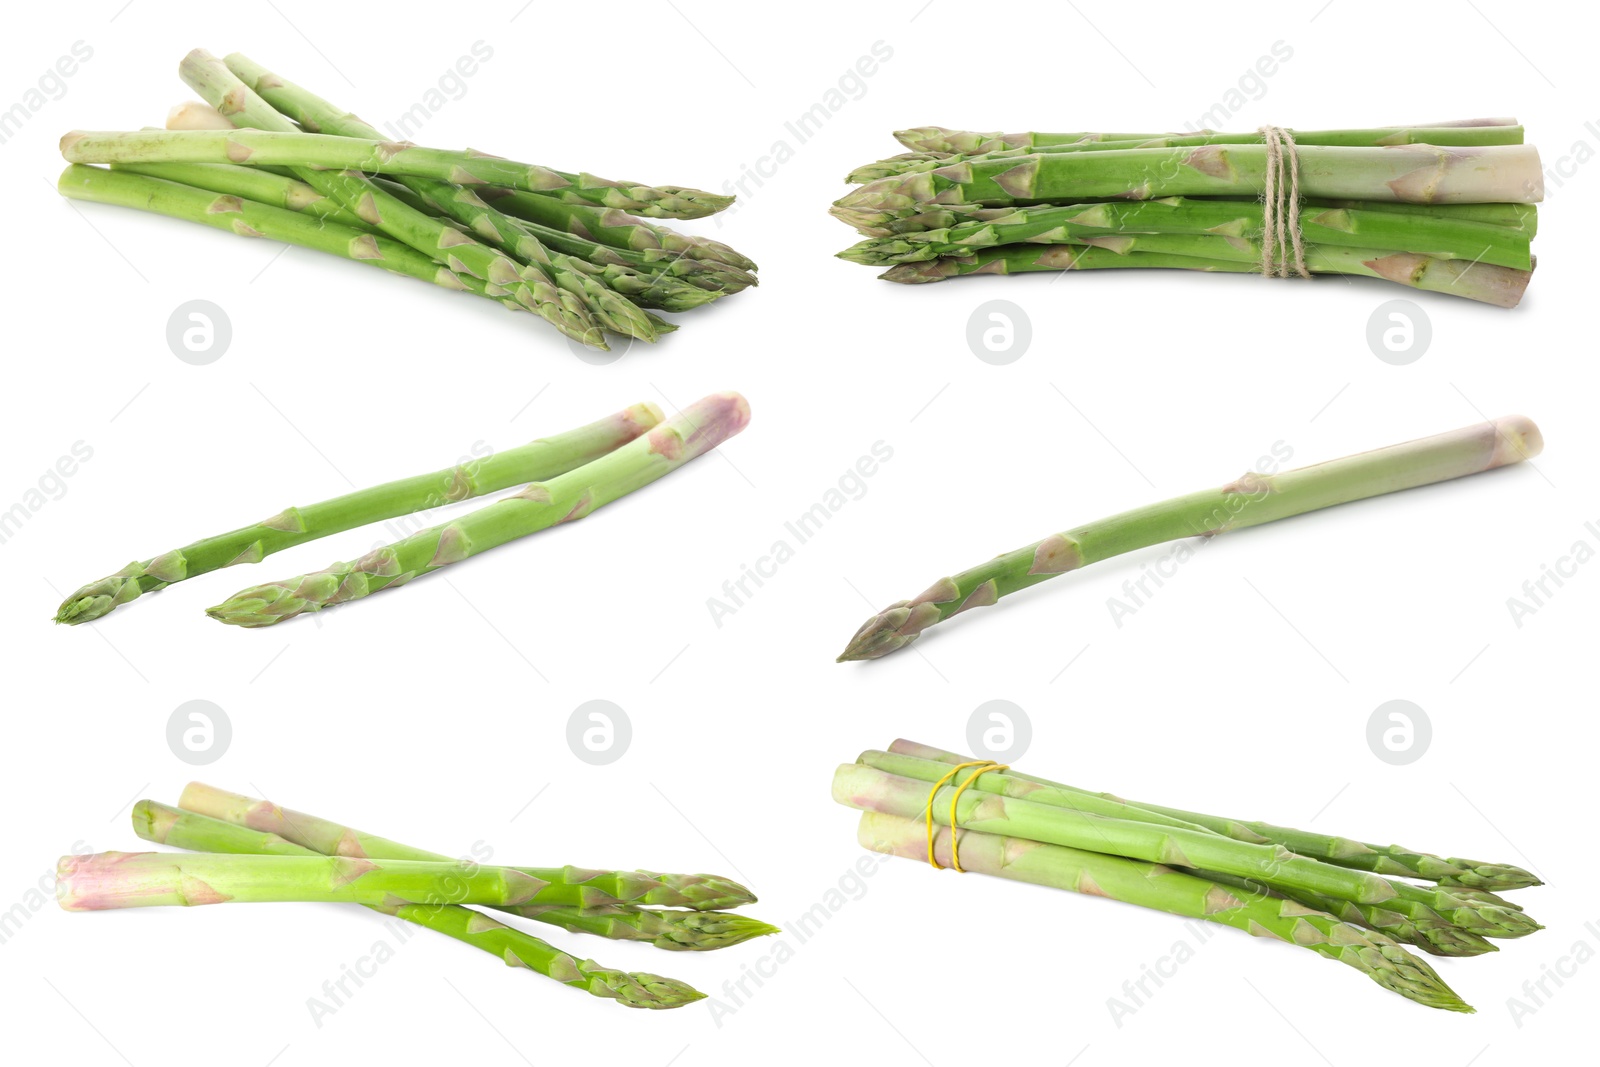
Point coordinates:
pixel 613 227
pixel 1467 879
pixel 534 461
pixel 1226 224
pixel 1500 286
pixel 587 888
pixel 676 930
pixel 701 427
pixel 254 184
pixel 1423 174
pixel 940 139
pixel 1251 500
pixel 529 287
pixel 1155 886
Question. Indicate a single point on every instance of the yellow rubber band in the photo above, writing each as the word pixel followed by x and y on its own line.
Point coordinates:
pixel 984 767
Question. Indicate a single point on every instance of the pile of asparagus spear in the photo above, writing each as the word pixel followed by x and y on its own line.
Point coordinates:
pixel 563 478
pixel 253 851
pixel 265 158
pixel 1349 901
pixel 1447 207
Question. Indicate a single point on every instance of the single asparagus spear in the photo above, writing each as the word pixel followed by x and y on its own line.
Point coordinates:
pixel 1468 880
pixel 866 789
pixel 1225 223
pixel 586 888
pixel 940 139
pixel 534 461
pixel 254 184
pixel 675 930
pixel 1500 286
pixel 916 162
pixel 1423 174
pixel 1155 886
pixel 612 227
pixel 701 427
pixel 209 77
pixel 376 156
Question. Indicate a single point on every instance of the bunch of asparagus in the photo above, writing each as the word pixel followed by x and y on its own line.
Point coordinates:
pixel 1349 901
pixel 265 158
pixel 1249 500
pixel 564 477
pixel 1446 208
pixel 254 851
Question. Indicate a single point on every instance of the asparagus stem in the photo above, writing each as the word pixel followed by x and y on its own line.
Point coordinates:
pixel 866 789
pixel 1467 879
pixel 1251 500
pixel 675 931
pixel 701 427
pixel 566 886
pixel 1223 225
pixel 612 227
pixel 1155 886
pixel 535 461
pixel 254 184
pixel 940 139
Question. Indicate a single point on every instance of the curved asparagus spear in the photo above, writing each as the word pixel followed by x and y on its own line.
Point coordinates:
pixel 1251 500
pixel 529 287
pixel 1423 174
pixel 701 427
pixel 583 888
pixel 1468 880
pixel 1223 223
pixel 675 930
pixel 1154 886
pixel 940 139
pixel 534 461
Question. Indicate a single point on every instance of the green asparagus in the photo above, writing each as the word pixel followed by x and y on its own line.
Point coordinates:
pixel 952 142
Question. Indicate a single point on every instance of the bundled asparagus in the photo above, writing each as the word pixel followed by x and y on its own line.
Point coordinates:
pixel 564 477
pixel 556 243
pixel 1250 500
pixel 925 803
pixel 1445 208
pixel 320 861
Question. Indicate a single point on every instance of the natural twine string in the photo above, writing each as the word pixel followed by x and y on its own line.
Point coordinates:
pixel 984 767
pixel 1280 228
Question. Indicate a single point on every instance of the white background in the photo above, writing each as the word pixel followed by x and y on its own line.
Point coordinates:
pixel 437 715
